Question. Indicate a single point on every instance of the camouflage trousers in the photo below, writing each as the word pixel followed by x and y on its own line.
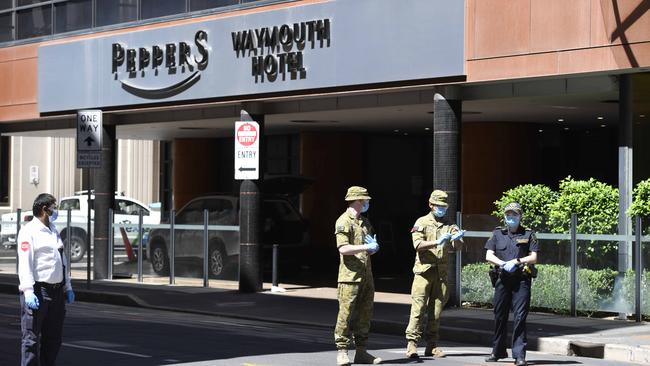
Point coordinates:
pixel 428 297
pixel 355 312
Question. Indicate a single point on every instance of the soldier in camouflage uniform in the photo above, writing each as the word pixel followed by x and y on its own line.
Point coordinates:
pixel 431 240
pixel 356 242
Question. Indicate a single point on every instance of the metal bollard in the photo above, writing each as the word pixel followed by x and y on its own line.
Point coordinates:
pixel 68 250
pixel 574 264
pixel 140 245
pixel 205 249
pixel 172 247
pixel 459 263
pixel 110 244
pixel 275 265
pixel 637 270
pixel 18 213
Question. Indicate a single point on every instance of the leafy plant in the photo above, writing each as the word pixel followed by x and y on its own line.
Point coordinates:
pixel 641 203
pixel 534 200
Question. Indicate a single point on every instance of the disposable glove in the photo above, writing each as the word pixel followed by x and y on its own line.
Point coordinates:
pixel 69 296
pixel 458 235
pixel 442 239
pixel 510 266
pixel 32 301
pixel 373 247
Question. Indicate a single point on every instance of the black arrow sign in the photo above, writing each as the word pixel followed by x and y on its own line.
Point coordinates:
pixel 89 141
pixel 242 169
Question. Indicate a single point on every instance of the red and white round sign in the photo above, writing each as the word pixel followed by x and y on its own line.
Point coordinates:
pixel 246 134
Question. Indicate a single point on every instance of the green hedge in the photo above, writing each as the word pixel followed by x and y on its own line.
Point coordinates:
pixel 534 200
pixel 551 289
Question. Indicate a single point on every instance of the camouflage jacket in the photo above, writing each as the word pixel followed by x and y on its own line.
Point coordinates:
pixel 426 228
pixel 350 231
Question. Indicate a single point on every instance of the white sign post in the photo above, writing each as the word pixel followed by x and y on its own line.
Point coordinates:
pixel 89 139
pixel 247 149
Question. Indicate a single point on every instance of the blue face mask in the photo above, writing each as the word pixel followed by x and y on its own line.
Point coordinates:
pixel 439 211
pixel 512 221
pixel 54 215
pixel 365 207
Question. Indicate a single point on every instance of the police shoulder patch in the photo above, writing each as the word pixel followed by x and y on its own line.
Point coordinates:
pixel 24 246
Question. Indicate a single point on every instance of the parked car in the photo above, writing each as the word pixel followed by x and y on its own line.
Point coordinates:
pixel 283 225
pixel 126 211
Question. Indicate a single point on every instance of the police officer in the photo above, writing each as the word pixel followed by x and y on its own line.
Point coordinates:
pixel 511 249
pixel 44 286
pixel 356 242
pixel 432 240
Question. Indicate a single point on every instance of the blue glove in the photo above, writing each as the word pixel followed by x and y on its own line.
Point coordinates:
pixel 32 301
pixel 442 239
pixel 510 266
pixel 372 240
pixel 458 235
pixel 373 247
pixel 69 296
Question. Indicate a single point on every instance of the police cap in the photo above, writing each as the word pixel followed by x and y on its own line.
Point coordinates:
pixel 513 206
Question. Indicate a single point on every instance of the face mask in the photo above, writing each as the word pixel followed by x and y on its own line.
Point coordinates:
pixel 512 221
pixel 439 211
pixel 54 215
pixel 365 207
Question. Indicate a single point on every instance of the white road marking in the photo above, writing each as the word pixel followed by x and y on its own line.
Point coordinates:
pixel 107 350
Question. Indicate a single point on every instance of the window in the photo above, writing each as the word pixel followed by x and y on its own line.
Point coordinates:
pixel 5 4
pixel 4 170
pixel 70 204
pixel 192 214
pixel 161 8
pixel 34 22
pixel 115 11
pixel 6 28
pixel 124 207
pixel 28 2
pixel 73 15
pixel 209 4
pixel 219 211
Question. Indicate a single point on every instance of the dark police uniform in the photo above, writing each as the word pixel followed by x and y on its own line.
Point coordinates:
pixel 511 289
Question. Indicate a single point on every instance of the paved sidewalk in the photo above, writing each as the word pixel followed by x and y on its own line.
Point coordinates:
pixel 614 340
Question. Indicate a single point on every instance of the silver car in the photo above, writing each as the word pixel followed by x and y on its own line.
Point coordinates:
pixel 283 225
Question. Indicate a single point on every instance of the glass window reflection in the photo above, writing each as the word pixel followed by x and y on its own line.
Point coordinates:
pixel 161 8
pixel 34 22
pixel 115 11
pixel 209 4
pixel 73 15
pixel 5 27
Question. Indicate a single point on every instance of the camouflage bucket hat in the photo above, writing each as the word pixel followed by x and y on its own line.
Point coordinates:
pixel 438 198
pixel 357 193
pixel 513 206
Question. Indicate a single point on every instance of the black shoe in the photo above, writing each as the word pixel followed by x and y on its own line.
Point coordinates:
pixel 521 362
pixel 491 358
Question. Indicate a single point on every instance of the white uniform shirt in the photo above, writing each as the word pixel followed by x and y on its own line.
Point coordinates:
pixel 38 256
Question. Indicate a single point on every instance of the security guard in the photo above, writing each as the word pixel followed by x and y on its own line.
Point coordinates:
pixel 432 240
pixel 512 249
pixel 44 286
pixel 356 242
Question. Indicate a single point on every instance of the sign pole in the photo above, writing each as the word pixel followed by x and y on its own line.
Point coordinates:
pixel 247 168
pixel 89 156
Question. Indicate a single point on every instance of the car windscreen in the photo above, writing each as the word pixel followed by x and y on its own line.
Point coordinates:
pixel 69 204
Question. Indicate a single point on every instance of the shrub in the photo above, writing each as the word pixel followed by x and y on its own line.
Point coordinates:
pixel 641 203
pixel 596 205
pixel 550 290
pixel 628 291
pixel 534 200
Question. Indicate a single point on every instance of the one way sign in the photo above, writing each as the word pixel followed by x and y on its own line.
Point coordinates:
pixel 89 130
pixel 89 139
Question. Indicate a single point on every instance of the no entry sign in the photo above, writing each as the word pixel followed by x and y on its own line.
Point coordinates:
pixel 247 148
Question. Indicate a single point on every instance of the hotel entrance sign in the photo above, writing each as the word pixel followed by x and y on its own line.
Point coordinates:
pixel 247 148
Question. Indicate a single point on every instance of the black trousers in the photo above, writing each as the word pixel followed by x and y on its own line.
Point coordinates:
pixel 511 292
pixel 42 328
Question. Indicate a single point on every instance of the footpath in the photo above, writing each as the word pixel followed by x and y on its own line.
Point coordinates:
pixel 611 339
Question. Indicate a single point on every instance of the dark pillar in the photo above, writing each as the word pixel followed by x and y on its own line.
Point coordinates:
pixel 250 216
pixel 625 173
pixel 446 144
pixel 447 106
pixel 105 187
